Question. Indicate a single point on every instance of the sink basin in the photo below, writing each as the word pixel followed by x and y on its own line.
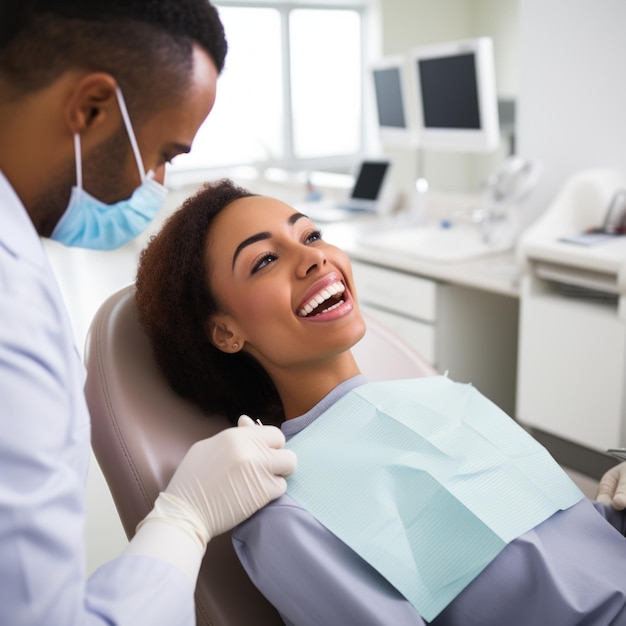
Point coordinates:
pixel 430 243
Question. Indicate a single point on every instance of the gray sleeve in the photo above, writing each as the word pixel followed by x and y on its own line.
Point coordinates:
pixel 568 570
pixel 616 518
pixel 310 576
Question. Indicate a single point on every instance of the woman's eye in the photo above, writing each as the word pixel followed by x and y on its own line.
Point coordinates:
pixel 316 235
pixel 264 261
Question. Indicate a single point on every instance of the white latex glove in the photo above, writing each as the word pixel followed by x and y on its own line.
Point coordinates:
pixel 612 487
pixel 220 482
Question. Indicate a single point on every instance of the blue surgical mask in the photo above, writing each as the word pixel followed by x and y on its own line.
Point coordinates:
pixel 90 223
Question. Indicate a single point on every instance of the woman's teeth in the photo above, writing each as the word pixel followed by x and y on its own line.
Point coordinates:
pixel 325 294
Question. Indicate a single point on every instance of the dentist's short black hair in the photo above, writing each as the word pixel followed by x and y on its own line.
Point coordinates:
pixel 146 45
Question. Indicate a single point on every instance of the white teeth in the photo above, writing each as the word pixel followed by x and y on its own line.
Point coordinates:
pixel 333 307
pixel 319 298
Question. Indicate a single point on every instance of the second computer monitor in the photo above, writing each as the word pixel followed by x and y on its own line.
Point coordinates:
pixel 456 95
pixel 391 99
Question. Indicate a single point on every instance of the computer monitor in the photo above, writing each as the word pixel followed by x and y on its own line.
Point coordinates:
pixel 455 89
pixel 391 98
pixel 371 184
pixel 372 192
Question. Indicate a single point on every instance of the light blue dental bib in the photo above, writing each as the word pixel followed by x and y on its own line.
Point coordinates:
pixel 426 480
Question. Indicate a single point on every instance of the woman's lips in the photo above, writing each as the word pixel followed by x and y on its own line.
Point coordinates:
pixel 325 300
pixel 335 296
pixel 337 311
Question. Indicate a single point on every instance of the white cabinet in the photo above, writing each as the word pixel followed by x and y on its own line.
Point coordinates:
pixel 405 303
pixel 469 332
pixel 572 360
pixel 572 366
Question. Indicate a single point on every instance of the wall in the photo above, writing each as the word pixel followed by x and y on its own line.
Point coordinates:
pixel 572 96
pixel 409 23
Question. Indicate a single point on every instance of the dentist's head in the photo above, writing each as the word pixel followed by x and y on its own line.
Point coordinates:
pixel 96 96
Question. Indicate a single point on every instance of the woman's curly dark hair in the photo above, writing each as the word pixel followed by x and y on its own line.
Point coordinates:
pixel 174 302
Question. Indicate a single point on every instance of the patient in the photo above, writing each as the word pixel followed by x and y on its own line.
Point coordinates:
pixel 250 311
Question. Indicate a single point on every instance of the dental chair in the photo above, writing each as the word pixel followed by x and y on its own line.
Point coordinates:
pixel 141 430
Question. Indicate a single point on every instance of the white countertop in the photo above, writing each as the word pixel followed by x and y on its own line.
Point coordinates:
pixel 497 273
pixel 608 257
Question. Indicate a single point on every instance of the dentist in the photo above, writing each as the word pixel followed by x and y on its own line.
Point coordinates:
pixel 95 97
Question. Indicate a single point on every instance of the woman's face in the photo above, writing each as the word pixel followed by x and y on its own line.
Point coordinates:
pixel 287 296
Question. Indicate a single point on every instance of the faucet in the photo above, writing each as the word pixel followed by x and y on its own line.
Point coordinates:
pixel 488 219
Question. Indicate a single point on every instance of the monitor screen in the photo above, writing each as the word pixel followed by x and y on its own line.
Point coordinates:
pixel 456 96
pixel 390 96
pixel 369 180
pixel 449 93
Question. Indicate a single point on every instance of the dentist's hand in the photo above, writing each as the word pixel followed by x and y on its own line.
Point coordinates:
pixel 612 487
pixel 220 482
pixel 223 480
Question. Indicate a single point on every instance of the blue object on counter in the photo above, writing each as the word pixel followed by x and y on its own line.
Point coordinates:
pixel 312 194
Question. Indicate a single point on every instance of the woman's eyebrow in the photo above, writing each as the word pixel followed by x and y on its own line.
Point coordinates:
pixel 294 218
pixel 248 241
pixel 262 236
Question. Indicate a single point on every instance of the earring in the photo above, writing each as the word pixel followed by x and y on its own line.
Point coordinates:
pixel 235 346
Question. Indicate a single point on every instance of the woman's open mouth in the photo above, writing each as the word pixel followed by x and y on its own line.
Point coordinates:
pixel 326 300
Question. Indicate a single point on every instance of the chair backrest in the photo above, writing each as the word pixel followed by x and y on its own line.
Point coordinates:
pixel 141 430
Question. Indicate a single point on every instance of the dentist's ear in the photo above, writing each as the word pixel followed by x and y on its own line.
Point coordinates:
pixel 223 338
pixel 92 105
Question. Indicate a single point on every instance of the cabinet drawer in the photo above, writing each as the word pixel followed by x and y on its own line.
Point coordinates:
pixel 395 291
pixel 417 335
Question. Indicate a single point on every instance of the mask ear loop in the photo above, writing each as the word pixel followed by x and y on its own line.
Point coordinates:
pixel 131 134
pixel 78 157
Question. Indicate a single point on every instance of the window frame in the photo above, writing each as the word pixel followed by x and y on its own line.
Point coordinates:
pixel 288 160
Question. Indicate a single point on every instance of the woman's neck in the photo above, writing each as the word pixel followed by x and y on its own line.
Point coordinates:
pixel 301 389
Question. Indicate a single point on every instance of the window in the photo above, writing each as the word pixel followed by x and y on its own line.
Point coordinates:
pixel 325 54
pixel 290 93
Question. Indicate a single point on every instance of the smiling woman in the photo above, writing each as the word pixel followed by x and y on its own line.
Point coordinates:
pixel 280 263
pixel 249 269
pixel 400 511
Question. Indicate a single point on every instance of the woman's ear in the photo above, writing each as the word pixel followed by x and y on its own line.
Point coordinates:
pixel 222 337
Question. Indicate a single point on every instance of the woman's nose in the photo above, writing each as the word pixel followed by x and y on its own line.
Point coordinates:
pixel 311 259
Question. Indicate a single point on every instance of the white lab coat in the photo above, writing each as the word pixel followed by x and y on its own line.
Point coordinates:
pixel 44 454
